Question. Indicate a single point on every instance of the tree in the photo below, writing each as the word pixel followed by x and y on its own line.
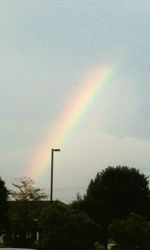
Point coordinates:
pixel 131 233
pixel 114 194
pixel 3 205
pixel 24 213
pixel 119 191
pixel 26 190
pixel 65 228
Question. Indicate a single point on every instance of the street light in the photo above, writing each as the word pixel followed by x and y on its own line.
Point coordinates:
pixel 51 181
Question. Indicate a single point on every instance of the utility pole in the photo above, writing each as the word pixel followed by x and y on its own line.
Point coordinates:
pixel 51 176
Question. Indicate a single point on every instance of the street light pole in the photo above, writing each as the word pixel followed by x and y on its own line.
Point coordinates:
pixel 51 179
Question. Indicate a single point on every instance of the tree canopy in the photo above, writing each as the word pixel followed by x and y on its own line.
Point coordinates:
pixel 65 228
pixel 115 193
pixel 131 233
pixel 26 191
pixel 3 204
pixel 22 214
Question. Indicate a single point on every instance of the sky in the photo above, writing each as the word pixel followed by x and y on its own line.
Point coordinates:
pixel 50 52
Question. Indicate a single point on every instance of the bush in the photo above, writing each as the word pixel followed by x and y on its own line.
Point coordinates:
pixel 65 228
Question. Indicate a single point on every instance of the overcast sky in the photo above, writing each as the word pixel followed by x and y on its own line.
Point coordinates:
pixel 46 48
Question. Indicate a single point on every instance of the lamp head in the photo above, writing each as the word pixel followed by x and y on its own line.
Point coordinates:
pixel 56 149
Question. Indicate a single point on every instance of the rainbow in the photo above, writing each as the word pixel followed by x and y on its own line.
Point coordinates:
pixel 77 106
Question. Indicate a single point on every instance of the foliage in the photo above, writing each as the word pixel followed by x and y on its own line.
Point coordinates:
pixel 79 203
pixel 26 190
pixel 24 211
pixel 3 205
pixel 65 228
pixel 22 219
pixel 115 193
pixel 131 233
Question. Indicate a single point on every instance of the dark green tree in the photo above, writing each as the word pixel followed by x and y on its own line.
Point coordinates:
pixel 131 233
pixel 115 193
pixel 3 206
pixel 118 191
pixel 65 228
